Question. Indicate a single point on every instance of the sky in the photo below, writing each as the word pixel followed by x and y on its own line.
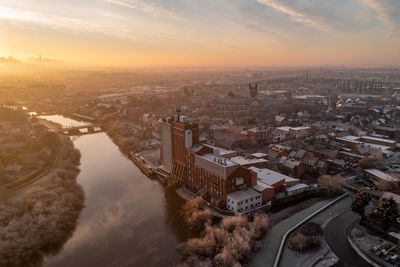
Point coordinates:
pixel 146 33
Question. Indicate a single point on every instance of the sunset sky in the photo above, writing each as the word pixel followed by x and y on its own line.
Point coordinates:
pixel 135 33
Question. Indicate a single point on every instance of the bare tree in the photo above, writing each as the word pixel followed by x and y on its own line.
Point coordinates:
pixel 330 185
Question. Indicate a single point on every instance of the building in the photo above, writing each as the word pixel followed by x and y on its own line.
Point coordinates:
pixel 297 189
pixel 166 144
pixel 299 132
pixel 259 155
pixel 271 178
pixel 267 192
pixel 177 136
pixel 200 168
pixel 185 136
pixel 244 200
pixel 295 132
pixel 361 87
pixel 378 141
pixel 248 162
pixel 257 134
pixel 215 177
pixel 230 139
pixel 291 167
pixel 231 105
pixel 379 176
pixel 253 92
pixel 270 183
pixel 277 135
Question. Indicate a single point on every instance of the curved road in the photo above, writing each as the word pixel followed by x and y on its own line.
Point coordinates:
pixel 335 234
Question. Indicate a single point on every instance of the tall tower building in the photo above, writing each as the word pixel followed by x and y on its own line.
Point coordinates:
pixel 185 135
pixel 166 144
pixel 253 91
pixel 178 136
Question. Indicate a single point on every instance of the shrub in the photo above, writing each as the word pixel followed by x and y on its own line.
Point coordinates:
pixel 330 185
pixel 195 215
pixel 298 241
pixel 228 243
pixel 306 237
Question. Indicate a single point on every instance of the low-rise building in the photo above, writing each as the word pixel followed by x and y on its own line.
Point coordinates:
pixel 259 155
pixel 257 134
pixel 378 141
pixel 296 189
pixel 243 200
pixel 291 167
pixel 377 176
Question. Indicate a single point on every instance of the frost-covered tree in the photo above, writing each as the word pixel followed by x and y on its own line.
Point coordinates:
pixel 360 201
pixel 388 209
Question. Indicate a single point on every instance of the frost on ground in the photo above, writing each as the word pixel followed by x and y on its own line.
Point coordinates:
pixel 231 242
pixel 37 220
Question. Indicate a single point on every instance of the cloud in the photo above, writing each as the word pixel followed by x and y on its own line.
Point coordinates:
pixel 342 16
pixel 146 7
pixel 9 61
pixel 287 8
pixel 388 13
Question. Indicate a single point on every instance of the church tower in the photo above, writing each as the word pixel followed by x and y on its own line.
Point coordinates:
pixel 253 91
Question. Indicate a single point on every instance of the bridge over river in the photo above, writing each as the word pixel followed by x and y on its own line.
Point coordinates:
pixel 71 130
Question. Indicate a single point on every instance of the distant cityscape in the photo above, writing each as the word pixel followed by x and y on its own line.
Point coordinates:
pixel 300 155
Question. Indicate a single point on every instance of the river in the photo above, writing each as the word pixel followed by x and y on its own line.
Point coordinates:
pixel 128 219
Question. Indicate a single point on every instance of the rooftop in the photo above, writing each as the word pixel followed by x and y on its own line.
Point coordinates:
pixel 222 151
pixel 243 194
pixel 351 137
pixel 382 175
pixel 243 161
pixel 270 177
pixel 262 186
pixel 371 138
pixel 218 160
pixel 259 155
pixel 296 187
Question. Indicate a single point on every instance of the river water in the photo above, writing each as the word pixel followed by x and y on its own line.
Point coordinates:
pixel 128 219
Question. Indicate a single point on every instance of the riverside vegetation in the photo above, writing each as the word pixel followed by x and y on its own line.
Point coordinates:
pixel 37 220
pixel 223 242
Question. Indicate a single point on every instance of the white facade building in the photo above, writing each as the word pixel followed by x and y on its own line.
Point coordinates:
pixel 166 145
pixel 243 200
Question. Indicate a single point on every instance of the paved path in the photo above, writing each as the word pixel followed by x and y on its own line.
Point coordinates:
pixel 291 258
pixel 335 234
pixel 270 245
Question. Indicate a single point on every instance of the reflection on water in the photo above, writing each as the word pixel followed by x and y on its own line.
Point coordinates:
pixel 64 121
pixel 128 219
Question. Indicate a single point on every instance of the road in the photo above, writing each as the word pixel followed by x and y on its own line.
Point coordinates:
pixel 335 234
pixel 34 179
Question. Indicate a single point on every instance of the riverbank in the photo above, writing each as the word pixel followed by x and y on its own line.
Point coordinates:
pixel 38 219
pixel 120 134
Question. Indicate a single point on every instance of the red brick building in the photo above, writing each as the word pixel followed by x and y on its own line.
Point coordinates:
pixel 201 169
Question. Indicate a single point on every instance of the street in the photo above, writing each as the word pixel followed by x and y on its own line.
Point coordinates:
pixel 335 234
